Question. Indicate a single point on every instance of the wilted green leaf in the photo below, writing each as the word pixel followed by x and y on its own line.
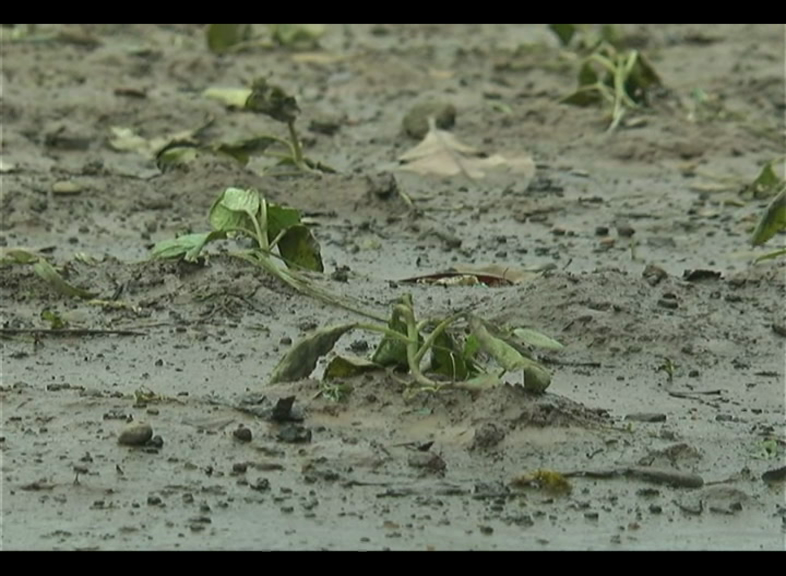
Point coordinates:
pixel 586 96
pixel 280 218
pixel 392 351
pixel 772 221
pixel 480 382
pixel 290 35
pixel 302 358
pixel 766 184
pixel 504 354
pixel 587 75
pixel 47 272
pixel 272 101
pixel 17 256
pixel 188 246
pixel 536 339
pixel 536 378
pixel 222 37
pixel 243 150
pixel 564 32
pixel 642 77
pixel 175 154
pixel 299 247
pixel 447 359
pixel 347 367
pixel 231 97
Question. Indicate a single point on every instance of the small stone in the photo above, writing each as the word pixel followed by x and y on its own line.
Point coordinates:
pixel 242 433
pixel 602 231
pixel 668 303
pixel 415 123
pixel 156 441
pixel 136 435
pixel 154 500
pixel 606 243
pixel 487 436
pixel 66 188
pixel 382 185
pixel 239 468
pixel 625 230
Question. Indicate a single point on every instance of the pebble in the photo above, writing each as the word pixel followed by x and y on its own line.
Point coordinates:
pixel 136 435
pixel 66 188
pixel 646 417
pixel 242 433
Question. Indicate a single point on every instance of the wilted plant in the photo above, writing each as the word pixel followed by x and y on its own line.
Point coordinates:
pixel 456 355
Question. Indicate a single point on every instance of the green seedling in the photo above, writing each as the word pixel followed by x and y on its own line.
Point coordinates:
pixel 455 354
pixel 261 98
pixel 771 222
pixel 275 232
pixel 668 367
pixel 621 79
pixel 585 37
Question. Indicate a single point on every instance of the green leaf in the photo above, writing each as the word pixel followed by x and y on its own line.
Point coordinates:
pixel 564 32
pixel 175 154
pixel 301 360
pixel 504 354
pixel 290 35
pixel 446 359
pixel 17 256
pixel 47 272
pixel 480 382
pixel 222 37
pixel 232 215
pixel 230 97
pixel 272 101
pixel 298 247
pixel 535 338
pixel 280 218
pixel 585 96
pixel 536 378
pixel 347 367
pixel 587 75
pixel 392 351
pixel 188 246
pixel 766 184
pixel 772 221
pixel 243 150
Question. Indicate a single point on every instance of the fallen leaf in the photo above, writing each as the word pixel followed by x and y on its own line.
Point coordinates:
pixel 301 360
pixel 442 154
pixel 231 97
pixel 772 221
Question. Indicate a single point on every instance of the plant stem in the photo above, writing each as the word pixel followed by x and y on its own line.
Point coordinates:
pixel 297 149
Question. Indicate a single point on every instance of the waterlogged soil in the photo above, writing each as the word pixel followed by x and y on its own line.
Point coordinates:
pixel 665 415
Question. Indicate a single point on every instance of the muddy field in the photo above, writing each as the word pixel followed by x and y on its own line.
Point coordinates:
pixel 665 415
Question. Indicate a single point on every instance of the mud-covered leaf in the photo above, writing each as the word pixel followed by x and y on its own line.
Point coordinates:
pixel 243 150
pixel 442 154
pixel 392 351
pixel 564 32
pixel 233 211
pixel 302 358
pixel 347 367
pixel 272 101
pixel 48 273
pixel 230 97
pixel 297 35
pixel 187 246
pixel 18 255
pixel 447 358
pixel 222 37
pixel 534 338
pixel 536 378
pixel 127 140
pixel 280 218
pixel 299 248
pixel 772 221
